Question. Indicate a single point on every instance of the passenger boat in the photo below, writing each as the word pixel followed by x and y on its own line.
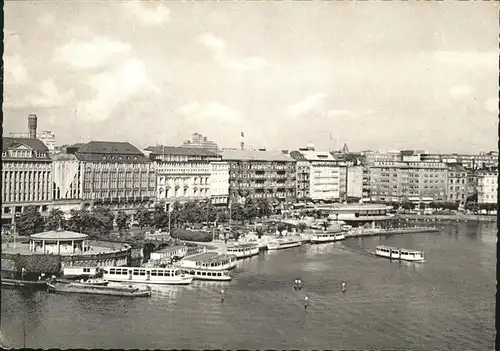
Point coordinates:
pixel 208 274
pixel 80 272
pixel 395 253
pixel 279 244
pixel 166 276
pixel 243 250
pixel 79 288
pixel 208 260
pixel 326 237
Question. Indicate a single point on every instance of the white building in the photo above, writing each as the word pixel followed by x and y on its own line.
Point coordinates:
pixel 49 139
pixel 183 173
pixel 219 183
pixel 355 181
pixel 324 173
pixel 487 185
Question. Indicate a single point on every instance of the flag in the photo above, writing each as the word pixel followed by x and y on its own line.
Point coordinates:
pixel 242 134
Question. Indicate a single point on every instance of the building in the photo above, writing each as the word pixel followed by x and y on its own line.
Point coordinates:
pixel 201 142
pixel 67 186
pixel 26 174
pixel 115 175
pixel 49 139
pixel 358 214
pixel 58 242
pixel 457 184
pixel 184 173
pixel 483 160
pixel 322 180
pixel 487 187
pixel 261 175
pixel 355 182
pixel 219 183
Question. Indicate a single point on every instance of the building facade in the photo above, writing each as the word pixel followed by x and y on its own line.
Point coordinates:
pixel 355 182
pixel 26 177
pixel 116 175
pixel 261 175
pixel 457 184
pixel 49 139
pixel 67 187
pixel 487 187
pixel 219 183
pixel 198 141
pixel 183 173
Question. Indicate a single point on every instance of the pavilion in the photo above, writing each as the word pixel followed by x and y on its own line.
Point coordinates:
pixel 58 242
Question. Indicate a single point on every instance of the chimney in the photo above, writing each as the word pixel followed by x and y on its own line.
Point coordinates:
pixel 32 125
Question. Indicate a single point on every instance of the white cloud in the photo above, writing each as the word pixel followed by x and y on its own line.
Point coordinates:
pixel 14 69
pixel 149 13
pixel 308 105
pixel 346 113
pixel 468 58
pixel 95 53
pixel 50 96
pixel 209 112
pixel 218 48
pixel 491 105
pixel 114 87
pixel 460 91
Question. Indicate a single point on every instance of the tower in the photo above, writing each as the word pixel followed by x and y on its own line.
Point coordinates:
pixel 32 123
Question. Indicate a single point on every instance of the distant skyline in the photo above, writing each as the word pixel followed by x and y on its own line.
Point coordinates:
pixel 374 75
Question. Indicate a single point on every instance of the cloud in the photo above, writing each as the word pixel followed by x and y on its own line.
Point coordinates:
pixel 114 87
pixel 218 48
pixel 491 105
pixel 343 113
pixel 472 59
pixel 308 105
pixel 90 54
pixel 149 13
pixel 50 96
pixel 14 69
pixel 209 112
pixel 460 91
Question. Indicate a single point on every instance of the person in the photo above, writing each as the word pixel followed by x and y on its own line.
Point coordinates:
pixel 344 287
pixel 222 295
pixel 306 302
pixel 299 284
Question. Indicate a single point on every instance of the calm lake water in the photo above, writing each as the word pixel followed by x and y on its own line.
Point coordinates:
pixel 447 302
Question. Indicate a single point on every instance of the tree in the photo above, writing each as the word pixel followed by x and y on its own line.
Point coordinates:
pixel 281 227
pixel 55 220
pixel 325 225
pixel 143 217
pixel 264 208
pixel 29 222
pixel 260 232
pixel 102 219
pixel 122 220
pixel 301 226
pixel 407 205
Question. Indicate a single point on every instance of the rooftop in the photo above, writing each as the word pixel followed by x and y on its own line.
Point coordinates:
pixel 202 256
pixel 59 235
pixel 110 151
pixel 179 151
pixel 251 155
pixel 34 144
pixel 172 248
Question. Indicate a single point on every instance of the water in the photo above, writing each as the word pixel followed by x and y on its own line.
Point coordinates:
pixel 445 303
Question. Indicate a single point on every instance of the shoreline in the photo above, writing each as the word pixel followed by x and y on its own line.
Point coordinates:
pixel 456 217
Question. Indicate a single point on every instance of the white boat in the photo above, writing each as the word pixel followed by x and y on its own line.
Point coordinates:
pixel 395 253
pixel 279 244
pixel 79 272
pixel 208 260
pixel 243 250
pixel 208 274
pixel 165 276
pixel 326 237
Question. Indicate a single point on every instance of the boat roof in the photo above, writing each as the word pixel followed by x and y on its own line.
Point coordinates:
pixel 172 248
pixel 396 248
pixel 202 256
pixel 245 245
pixel 220 258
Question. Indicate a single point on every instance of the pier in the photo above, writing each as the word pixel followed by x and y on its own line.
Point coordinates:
pixel 394 231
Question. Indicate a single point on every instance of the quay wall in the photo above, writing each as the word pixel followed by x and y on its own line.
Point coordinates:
pixel 458 217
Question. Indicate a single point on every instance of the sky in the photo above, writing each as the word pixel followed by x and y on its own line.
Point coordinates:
pixel 374 75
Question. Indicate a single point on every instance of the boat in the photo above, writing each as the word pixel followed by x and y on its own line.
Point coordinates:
pixel 208 260
pixel 243 250
pixel 208 274
pixel 165 276
pixel 279 244
pixel 326 237
pixel 79 288
pixel 395 253
pixel 76 272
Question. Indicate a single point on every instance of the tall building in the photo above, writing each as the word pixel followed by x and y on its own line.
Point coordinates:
pixel 183 173
pixel 323 178
pixel 115 175
pixel 26 174
pixel 49 139
pixel 201 142
pixel 487 187
pixel 260 175
pixel 457 184
pixel 355 182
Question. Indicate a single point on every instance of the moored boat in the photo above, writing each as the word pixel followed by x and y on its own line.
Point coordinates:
pixel 395 253
pixel 165 276
pixel 280 244
pixel 79 288
pixel 208 274
pixel 243 250
pixel 208 260
pixel 326 237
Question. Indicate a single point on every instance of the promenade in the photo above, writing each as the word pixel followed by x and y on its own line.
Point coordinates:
pixel 455 217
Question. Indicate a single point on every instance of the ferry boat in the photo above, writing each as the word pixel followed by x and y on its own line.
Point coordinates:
pixel 78 288
pixel 165 276
pixel 326 237
pixel 279 244
pixel 243 250
pixel 208 274
pixel 74 272
pixel 208 260
pixel 399 254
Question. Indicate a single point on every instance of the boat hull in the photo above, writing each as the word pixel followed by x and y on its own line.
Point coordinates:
pixel 98 291
pixel 183 281
pixel 271 246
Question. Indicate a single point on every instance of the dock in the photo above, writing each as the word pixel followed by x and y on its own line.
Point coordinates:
pixel 25 284
pixel 395 231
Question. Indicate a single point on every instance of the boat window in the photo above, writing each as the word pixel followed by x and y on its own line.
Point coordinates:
pixel 192 272
pixel 153 272
pixel 209 274
pixel 219 274
pixel 167 273
pixel 86 270
pixel 124 272
pixel 142 273
pixel 111 271
pixel 160 273
pixel 204 273
pixel 177 273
